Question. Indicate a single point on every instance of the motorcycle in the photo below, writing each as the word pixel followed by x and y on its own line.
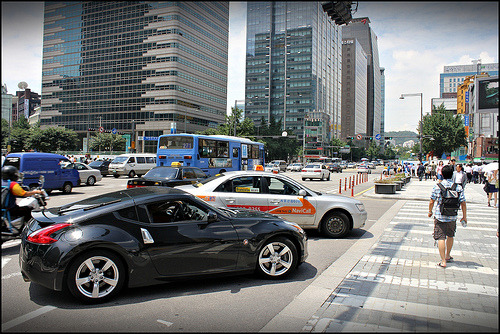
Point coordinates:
pixel 13 226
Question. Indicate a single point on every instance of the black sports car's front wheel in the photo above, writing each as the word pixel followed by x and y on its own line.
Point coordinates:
pixel 96 276
pixel 277 258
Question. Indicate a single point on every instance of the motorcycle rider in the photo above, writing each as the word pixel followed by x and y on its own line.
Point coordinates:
pixel 11 173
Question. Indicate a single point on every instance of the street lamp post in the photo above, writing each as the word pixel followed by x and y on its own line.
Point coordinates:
pixel 421 117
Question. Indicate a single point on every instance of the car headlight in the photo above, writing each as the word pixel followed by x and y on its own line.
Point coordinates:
pixel 360 206
pixel 299 229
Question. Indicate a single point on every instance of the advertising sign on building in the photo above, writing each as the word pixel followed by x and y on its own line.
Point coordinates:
pixel 26 108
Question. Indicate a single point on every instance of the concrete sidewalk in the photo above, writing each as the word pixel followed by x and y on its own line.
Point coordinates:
pixel 389 279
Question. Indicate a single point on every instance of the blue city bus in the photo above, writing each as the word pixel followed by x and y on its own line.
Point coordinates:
pixel 211 153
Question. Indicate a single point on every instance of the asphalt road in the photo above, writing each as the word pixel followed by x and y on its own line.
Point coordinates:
pixel 229 304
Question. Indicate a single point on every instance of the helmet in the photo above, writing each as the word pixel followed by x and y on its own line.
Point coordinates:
pixel 10 173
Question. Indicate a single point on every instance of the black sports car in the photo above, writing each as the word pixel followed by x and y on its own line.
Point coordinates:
pixel 150 235
pixel 168 177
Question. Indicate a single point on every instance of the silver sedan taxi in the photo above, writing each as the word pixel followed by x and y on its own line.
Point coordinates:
pixel 278 194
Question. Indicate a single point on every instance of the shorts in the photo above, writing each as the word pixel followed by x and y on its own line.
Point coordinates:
pixel 492 188
pixel 444 229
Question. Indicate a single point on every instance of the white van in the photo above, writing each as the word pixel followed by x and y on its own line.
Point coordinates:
pixel 281 164
pixel 132 164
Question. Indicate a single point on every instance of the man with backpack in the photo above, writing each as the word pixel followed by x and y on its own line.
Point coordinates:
pixel 449 197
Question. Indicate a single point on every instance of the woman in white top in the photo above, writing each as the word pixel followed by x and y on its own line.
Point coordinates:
pixel 468 172
pixel 493 185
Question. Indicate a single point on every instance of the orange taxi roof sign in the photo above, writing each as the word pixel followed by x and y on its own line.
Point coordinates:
pixel 259 167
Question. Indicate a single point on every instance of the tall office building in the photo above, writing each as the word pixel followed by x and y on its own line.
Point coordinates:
pixel 382 95
pixel 360 29
pixel 136 67
pixel 293 65
pixel 354 92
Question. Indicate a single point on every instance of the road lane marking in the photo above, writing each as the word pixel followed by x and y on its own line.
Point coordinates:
pixel 17 321
pixel 167 323
pixel 5 260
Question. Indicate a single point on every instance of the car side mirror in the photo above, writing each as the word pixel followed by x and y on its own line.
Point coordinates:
pixel 302 192
pixel 212 217
pixel 41 180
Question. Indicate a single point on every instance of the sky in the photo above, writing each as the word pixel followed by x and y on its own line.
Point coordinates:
pixel 415 41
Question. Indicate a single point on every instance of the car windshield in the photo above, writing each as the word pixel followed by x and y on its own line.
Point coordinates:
pixel 208 179
pixel 119 160
pixel 296 165
pixel 313 166
pixel 95 163
pixel 162 172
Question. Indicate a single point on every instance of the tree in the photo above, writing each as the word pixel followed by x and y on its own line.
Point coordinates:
pixel 446 129
pixel 336 144
pixel 373 150
pixel 107 142
pixel 5 132
pixel 19 134
pixel 52 139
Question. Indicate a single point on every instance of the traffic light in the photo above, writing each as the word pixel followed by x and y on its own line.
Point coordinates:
pixel 368 138
pixel 350 138
pixel 388 138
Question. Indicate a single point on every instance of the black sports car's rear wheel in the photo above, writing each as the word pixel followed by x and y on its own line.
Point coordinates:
pixel 277 258
pixel 96 276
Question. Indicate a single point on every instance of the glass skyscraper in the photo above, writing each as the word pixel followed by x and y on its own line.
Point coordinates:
pixel 293 64
pixel 135 66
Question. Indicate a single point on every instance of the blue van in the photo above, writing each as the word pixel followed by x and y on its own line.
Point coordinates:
pixel 33 164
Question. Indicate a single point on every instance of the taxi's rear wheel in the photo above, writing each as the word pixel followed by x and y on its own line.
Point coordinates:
pixel 335 225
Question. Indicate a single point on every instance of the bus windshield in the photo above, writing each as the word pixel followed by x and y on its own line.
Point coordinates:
pixel 175 142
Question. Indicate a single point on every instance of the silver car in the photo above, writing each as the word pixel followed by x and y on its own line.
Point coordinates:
pixel 333 215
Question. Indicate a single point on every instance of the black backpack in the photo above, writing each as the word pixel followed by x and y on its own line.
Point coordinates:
pixel 449 200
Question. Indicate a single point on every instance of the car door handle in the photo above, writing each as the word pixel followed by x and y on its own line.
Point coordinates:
pixel 274 201
pixel 230 200
pixel 146 236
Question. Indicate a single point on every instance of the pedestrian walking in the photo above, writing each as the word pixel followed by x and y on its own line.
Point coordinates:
pixel 420 171
pixel 482 179
pixel 468 172
pixel 493 186
pixel 433 171
pixel 439 169
pixel 475 173
pixel 459 176
pixel 452 164
pixel 428 170
pixel 445 219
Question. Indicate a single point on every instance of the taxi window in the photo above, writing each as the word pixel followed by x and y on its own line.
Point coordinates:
pixel 245 184
pixel 188 173
pixel 280 187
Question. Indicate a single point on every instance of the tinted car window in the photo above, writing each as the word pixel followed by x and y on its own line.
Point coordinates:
pixel 199 174
pixel 131 160
pixel 176 211
pixel 188 173
pixel 162 172
pixel 141 160
pixel 150 160
pixel 96 164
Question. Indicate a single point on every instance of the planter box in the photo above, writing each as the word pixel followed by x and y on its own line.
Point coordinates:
pixel 385 188
pixel 399 184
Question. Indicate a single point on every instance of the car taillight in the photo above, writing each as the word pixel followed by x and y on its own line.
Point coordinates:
pixel 318 171
pixel 304 170
pixel 43 236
